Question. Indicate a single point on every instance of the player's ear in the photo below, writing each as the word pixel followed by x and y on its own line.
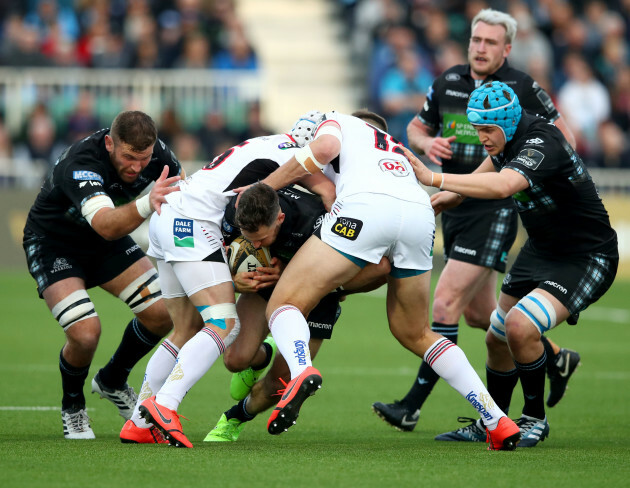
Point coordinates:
pixel 281 217
pixel 109 143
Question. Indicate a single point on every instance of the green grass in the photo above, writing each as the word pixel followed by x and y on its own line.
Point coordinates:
pixel 337 441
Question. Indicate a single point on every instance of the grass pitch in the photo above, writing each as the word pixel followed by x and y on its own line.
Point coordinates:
pixel 337 441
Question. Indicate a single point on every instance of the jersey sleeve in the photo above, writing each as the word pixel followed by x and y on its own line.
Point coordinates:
pixel 536 100
pixel 168 158
pixel 537 160
pixel 430 113
pixel 229 229
pixel 81 181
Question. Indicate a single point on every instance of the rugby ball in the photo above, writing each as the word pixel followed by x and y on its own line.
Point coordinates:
pixel 243 256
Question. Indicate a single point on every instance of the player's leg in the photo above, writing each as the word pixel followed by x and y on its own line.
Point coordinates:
pixel 301 286
pixel 407 309
pixel 139 287
pixel 460 285
pixel 264 395
pixel 251 353
pixel 71 306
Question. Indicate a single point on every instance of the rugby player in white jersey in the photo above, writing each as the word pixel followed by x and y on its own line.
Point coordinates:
pixel 380 210
pixel 196 282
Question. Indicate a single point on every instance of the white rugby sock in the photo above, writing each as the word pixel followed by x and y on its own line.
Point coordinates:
pixel 193 361
pixel 290 331
pixel 158 369
pixel 450 362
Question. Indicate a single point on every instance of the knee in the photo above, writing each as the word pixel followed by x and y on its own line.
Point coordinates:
pixel 235 361
pixel 84 338
pixel 477 319
pixel 156 319
pixel 519 331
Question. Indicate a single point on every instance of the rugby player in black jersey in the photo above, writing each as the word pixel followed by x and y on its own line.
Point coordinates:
pixel 76 238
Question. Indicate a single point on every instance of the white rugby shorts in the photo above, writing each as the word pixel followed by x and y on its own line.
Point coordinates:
pixel 369 226
pixel 173 237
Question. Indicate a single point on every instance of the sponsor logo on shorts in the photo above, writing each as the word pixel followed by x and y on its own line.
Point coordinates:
pixel 482 404
pixel 319 325
pixel 300 352
pixel 347 228
pixel 183 233
pixel 463 250
pixel 87 175
pixel 530 158
pixel 60 264
pixel 133 248
pixel 557 286
pixel 455 93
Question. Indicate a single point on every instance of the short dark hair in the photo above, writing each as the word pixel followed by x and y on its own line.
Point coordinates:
pixel 134 128
pixel 259 205
pixel 371 117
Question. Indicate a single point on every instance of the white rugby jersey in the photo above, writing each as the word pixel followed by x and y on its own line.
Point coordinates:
pixel 370 161
pixel 205 194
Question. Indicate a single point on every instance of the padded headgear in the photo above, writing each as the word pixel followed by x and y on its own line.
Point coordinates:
pixel 495 103
pixel 304 128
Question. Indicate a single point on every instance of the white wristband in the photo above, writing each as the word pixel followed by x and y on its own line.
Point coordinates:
pixel 143 205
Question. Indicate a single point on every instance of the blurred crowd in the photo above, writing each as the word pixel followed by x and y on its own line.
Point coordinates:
pixel 578 51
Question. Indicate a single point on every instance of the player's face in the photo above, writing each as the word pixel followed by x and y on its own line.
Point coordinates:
pixel 127 162
pixel 492 139
pixel 487 49
pixel 266 235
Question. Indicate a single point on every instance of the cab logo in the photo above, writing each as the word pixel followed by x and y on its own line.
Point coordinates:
pixel 347 228
pixel 183 233
pixel 86 176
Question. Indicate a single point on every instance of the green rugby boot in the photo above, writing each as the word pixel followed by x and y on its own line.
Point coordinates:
pixel 242 382
pixel 225 430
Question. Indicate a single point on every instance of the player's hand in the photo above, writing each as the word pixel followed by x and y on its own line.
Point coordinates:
pixel 424 174
pixel 443 200
pixel 238 192
pixel 161 188
pixel 440 148
pixel 245 282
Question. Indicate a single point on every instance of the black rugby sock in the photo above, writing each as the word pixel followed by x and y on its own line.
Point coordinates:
pixel 267 360
pixel 239 412
pixel 72 381
pixel 532 377
pixel 137 341
pixel 427 378
pixel 501 385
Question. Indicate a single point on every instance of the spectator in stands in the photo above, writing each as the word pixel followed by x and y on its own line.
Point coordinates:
pixel 614 149
pixel 402 90
pixel 195 54
pixel 594 102
pixel 530 45
pixel 82 122
pixel 214 135
pixel 239 53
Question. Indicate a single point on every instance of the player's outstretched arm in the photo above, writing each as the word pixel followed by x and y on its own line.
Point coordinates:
pixel 113 223
pixel 421 141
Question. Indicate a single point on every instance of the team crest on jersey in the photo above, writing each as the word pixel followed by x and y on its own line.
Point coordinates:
pixel 86 176
pixel 530 158
pixel 347 228
pixel 393 167
pixel 183 233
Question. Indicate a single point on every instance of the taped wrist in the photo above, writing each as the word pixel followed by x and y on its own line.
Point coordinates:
pixel 307 160
pixel 143 205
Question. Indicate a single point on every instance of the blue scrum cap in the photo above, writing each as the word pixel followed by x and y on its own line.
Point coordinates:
pixel 495 103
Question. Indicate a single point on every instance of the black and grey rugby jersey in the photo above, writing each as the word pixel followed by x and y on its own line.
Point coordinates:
pixel 561 209
pixel 445 112
pixel 84 170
